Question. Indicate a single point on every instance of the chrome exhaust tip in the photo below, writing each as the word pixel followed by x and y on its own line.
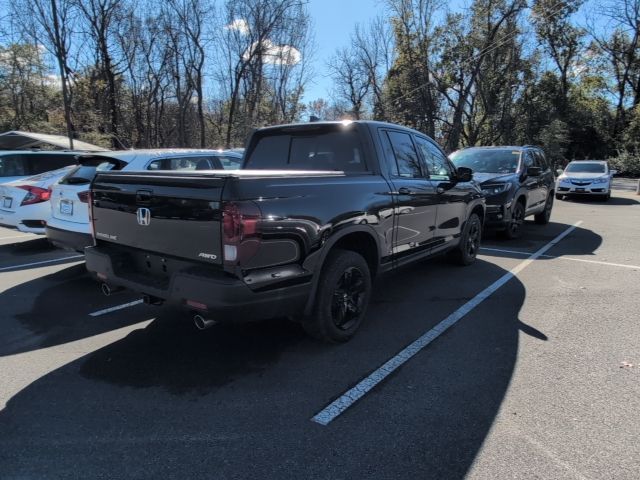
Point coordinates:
pixel 202 323
pixel 108 290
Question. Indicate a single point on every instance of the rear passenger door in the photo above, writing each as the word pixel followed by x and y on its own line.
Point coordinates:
pixel 531 184
pixel 452 197
pixel 547 178
pixel 415 198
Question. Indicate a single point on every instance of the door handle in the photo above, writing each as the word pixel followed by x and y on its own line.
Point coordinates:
pixel 404 191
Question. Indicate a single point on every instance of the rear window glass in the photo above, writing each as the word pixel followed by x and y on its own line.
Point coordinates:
pixel 20 165
pixel 40 163
pixel 326 149
pixel 13 166
pixel 84 174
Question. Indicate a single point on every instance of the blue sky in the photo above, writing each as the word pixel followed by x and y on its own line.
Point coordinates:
pixel 333 22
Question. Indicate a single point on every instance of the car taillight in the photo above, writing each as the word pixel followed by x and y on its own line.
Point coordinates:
pixel 240 233
pixel 84 196
pixel 90 205
pixel 35 195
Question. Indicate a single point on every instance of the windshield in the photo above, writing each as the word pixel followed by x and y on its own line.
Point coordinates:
pixel 487 161
pixel 584 167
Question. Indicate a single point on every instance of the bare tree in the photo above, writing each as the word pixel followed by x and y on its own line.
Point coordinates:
pixel 51 23
pixel 351 79
pixel 246 44
pixel 101 17
pixel 620 42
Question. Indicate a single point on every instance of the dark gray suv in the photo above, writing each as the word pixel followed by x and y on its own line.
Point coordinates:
pixel 517 182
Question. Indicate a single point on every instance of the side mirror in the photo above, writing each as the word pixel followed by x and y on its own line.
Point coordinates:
pixel 534 171
pixel 559 171
pixel 613 172
pixel 464 174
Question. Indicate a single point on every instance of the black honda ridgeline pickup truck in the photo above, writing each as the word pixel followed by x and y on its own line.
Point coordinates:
pixel 317 211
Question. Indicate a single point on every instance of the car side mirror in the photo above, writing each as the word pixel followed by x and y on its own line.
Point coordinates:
pixel 464 174
pixel 559 171
pixel 613 172
pixel 534 171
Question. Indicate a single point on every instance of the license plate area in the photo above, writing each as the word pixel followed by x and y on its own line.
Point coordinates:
pixel 579 189
pixel 66 207
pixel 7 202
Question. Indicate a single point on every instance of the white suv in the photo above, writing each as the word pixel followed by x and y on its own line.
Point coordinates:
pixel 585 177
pixel 69 226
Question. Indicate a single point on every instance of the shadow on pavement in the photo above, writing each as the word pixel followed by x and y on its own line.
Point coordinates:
pixel 54 310
pixel 27 247
pixel 176 356
pixel 236 402
pixel 580 241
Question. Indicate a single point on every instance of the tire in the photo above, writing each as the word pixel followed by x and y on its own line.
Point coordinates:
pixel 344 290
pixel 606 197
pixel 514 229
pixel 559 197
pixel 465 254
pixel 543 217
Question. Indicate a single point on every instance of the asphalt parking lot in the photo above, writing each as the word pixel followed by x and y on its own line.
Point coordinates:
pixel 527 365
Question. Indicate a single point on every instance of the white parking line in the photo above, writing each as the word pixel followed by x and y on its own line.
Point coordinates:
pixel 584 260
pixel 44 262
pixel 26 235
pixel 116 308
pixel 346 400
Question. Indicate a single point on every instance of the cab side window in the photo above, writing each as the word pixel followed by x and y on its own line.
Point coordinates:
pixel 407 162
pixel 437 163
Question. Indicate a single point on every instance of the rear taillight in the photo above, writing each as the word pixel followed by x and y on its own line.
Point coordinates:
pixel 90 205
pixel 240 232
pixel 35 195
pixel 84 196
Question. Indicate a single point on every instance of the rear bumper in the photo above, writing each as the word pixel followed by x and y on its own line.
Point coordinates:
pixel 222 297
pixel 68 240
pixel 27 220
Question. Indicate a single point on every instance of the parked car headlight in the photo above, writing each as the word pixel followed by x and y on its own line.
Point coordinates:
pixel 495 189
pixel 601 180
pixel 563 178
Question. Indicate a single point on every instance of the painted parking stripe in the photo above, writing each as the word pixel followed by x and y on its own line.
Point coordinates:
pixel 584 260
pixel 26 235
pixel 351 396
pixel 44 262
pixel 116 308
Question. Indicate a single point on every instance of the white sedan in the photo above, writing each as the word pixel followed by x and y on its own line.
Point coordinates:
pixel 585 177
pixel 68 225
pixel 24 203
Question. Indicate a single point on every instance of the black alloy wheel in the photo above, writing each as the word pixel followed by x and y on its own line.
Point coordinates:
pixel 348 296
pixel 340 304
pixel 467 250
pixel 514 228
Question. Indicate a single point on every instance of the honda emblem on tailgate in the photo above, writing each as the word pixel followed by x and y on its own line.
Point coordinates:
pixel 144 216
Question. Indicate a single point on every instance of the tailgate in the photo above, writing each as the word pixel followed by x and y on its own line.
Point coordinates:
pixel 177 215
